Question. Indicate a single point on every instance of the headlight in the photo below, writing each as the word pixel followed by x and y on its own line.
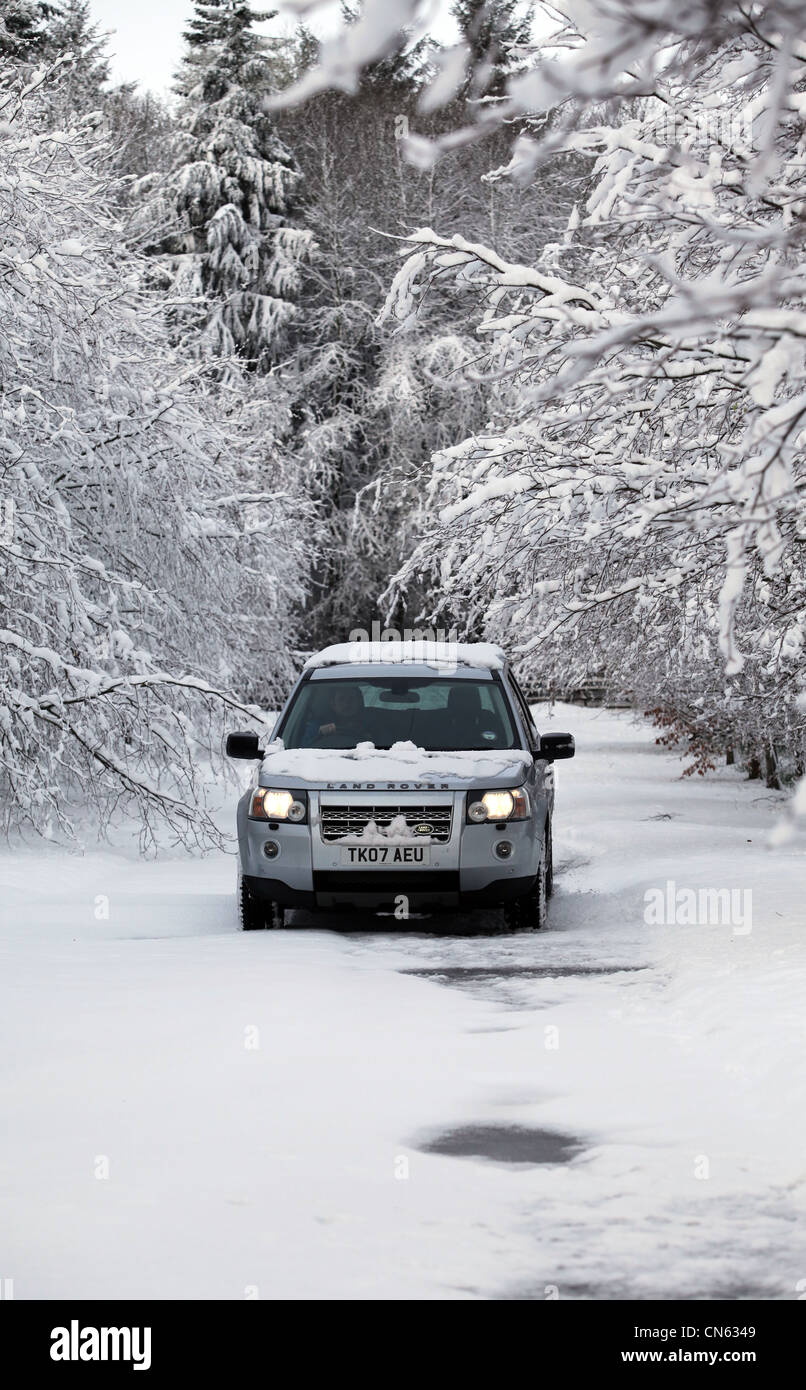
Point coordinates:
pixel 504 805
pixel 267 804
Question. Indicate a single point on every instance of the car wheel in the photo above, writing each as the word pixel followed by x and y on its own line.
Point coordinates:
pixel 549 858
pixel 251 915
pixel 529 912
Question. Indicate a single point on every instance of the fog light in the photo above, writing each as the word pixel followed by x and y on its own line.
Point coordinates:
pixel 271 849
pixel 503 849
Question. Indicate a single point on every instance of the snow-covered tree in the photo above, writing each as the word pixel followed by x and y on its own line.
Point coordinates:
pixel 223 217
pixel 141 127
pixel 70 30
pixel 139 124
pixel 372 407
pixel 148 581
pixel 24 29
pixel 637 496
pixel 496 35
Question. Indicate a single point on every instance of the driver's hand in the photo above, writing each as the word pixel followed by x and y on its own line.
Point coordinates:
pixel 327 728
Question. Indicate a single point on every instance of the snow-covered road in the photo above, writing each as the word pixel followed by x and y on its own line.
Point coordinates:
pixel 610 1109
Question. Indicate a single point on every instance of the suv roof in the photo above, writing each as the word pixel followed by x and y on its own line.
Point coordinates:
pixel 446 656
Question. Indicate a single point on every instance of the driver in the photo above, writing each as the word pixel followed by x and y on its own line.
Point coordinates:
pixel 347 708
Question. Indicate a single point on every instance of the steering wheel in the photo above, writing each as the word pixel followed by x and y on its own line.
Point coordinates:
pixel 344 737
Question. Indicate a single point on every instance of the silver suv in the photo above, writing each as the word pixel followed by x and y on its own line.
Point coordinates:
pixel 401 777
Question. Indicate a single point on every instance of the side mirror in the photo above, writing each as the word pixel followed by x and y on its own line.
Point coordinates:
pixel 554 746
pixel 243 746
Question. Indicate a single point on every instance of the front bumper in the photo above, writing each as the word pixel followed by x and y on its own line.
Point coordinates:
pixel 463 871
pixel 365 894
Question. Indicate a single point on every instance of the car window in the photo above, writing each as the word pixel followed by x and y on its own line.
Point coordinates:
pixel 432 696
pixel 531 730
pixel 440 714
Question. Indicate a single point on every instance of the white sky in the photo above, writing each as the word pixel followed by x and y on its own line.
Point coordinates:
pixel 146 36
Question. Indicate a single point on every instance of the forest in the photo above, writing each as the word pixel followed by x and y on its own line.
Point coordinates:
pixel 502 337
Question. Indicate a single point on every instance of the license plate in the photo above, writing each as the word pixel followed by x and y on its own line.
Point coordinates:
pixel 386 856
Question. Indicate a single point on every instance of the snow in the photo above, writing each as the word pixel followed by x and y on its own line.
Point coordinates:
pixel 484 656
pixel 370 36
pixel 451 68
pixel 71 246
pixel 683 308
pixel 401 763
pixel 263 1100
pixel 397 831
pixel 109 420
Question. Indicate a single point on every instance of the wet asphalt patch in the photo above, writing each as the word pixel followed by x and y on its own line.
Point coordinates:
pixel 504 1144
pixel 470 973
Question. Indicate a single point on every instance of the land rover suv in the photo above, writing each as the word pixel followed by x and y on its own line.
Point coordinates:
pixel 402 777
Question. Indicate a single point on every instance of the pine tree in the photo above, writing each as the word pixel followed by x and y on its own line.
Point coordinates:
pixel 496 34
pixel 224 214
pixel 374 405
pixel 24 29
pixel 70 29
pixel 400 71
pixel 138 124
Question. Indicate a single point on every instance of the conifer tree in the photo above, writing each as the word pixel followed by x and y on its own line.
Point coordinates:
pixel 223 216
pixel 70 30
pixel 24 29
pixel 497 33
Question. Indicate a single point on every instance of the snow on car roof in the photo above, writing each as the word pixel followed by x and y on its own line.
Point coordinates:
pixel 483 656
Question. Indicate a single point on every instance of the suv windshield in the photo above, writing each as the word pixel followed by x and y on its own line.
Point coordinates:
pixel 439 715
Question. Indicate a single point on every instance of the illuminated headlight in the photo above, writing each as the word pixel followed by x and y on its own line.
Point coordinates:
pixel 504 805
pixel 267 804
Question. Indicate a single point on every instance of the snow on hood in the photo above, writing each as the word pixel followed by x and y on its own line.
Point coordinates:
pixel 482 655
pixel 403 762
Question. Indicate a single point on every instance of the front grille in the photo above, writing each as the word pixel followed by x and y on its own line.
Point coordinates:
pixel 337 821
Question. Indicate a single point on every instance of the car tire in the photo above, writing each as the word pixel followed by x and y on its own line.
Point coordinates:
pixel 548 855
pixel 251 915
pixel 529 913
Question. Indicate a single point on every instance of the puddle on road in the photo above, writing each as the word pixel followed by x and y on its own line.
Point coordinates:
pixel 470 973
pixel 504 1144
pixel 508 985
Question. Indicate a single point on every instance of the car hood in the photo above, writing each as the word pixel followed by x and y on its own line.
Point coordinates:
pixel 400 768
